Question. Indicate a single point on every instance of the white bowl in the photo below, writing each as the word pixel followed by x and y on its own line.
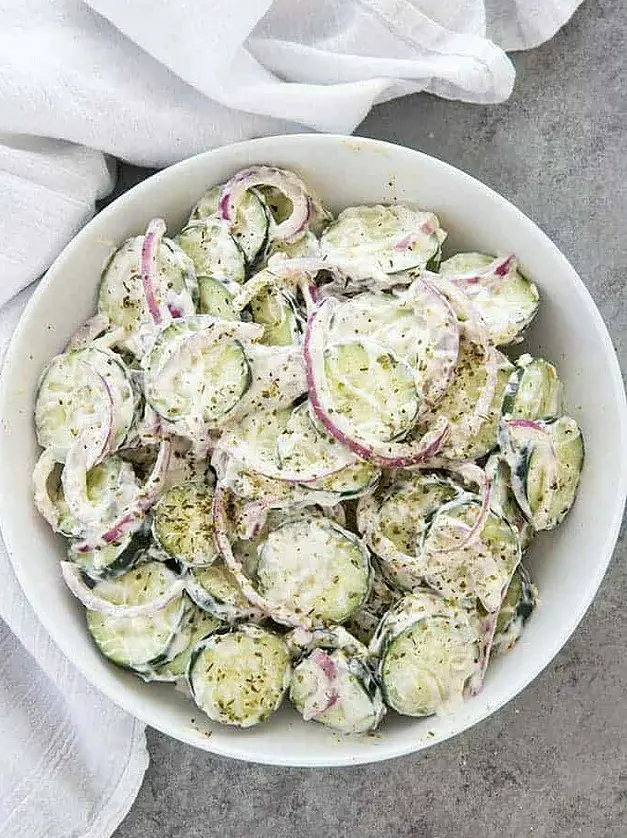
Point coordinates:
pixel 567 565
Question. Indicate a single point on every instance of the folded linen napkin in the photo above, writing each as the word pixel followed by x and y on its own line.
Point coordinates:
pixel 152 82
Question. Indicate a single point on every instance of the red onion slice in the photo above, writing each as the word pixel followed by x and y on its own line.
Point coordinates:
pixel 286 182
pixel 467 313
pixel 148 267
pixel 441 361
pixel 475 530
pixel 133 517
pixel 75 582
pixel 498 268
pixel 475 683
pixel 327 694
pixel 525 423
pixel 86 334
pixel 42 472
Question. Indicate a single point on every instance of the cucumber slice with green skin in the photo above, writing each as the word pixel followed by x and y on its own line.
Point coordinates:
pixel 394 526
pixel 182 524
pixel 122 298
pixel 111 487
pixel 196 373
pixel 545 458
pixel 239 677
pixel 251 485
pixel 196 625
pixel 246 460
pixel 305 449
pixel 533 391
pixel 215 590
pixel 518 605
pixel 390 238
pixel 428 651
pixel 216 299
pixel 363 623
pixel 503 502
pixel 137 642
pixel 308 245
pixel 113 559
pixel 253 441
pixel 472 432
pixel 478 568
pixel 213 250
pixel 417 325
pixel 350 482
pixel 505 299
pixel 137 588
pixel 141 639
pixel 250 229
pixel 334 686
pixel 315 568
pixel 277 312
pixel 371 389
pixel 84 393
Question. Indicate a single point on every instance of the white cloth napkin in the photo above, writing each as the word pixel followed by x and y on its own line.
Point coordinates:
pixel 152 82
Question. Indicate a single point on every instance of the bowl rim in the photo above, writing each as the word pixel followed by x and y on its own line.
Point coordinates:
pixel 155 719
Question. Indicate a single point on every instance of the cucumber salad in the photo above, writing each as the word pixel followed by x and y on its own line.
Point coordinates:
pixel 292 460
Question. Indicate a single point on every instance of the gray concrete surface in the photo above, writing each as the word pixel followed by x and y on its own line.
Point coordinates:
pixel 554 761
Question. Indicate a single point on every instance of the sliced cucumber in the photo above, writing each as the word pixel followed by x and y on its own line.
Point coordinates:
pixel 196 625
pixel 196 374
pixel 350 482
pixel 315 568
pixel 87 392
pixel 334 686
pixel 533 391
pixel 216 299
pixel 140 586
pixel 277 312
pixel 407 508
pixel 428 650
pixel 215 590
pixel 182 524
pixel 390 238
pixel 250 230
pixel 111 487
pixel 305 449
pixel 394 526
pixel 213 250
pixel 139 640
pixel 253 440
pixel 463 569
pixel 308 245
pixel 472 432
pixel 239 677
pixel 503 501
pixel 113 559
pixel 252 486
pixel 505 299
pixel 417 325
pixel 518 605
pixel 122 298
pixel 546 459
pixel 363 623
pixel 371 389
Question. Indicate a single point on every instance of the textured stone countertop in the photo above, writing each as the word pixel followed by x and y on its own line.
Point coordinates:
pixel 553 762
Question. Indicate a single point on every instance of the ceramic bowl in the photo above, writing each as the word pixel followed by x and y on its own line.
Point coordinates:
pixel 567 564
